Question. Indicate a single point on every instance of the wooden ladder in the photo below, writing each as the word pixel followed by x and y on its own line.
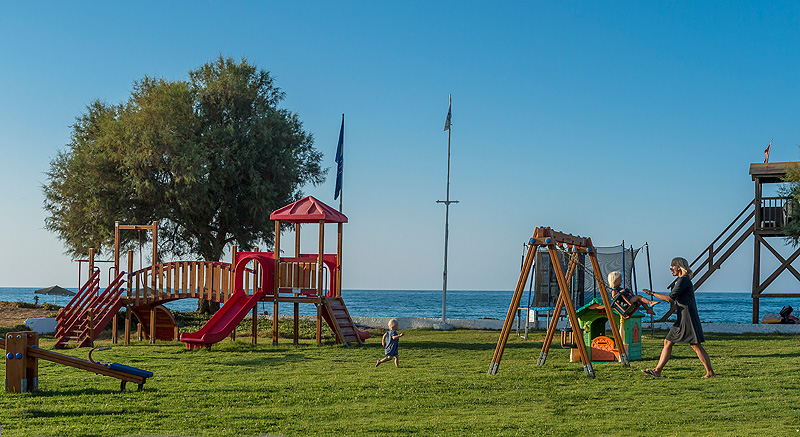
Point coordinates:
pixel 340 321
pixel 90 317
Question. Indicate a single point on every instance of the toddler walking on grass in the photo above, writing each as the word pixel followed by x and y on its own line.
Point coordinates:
pixel 390 341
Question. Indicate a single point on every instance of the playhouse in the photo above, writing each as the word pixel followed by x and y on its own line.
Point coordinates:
pixel 592 320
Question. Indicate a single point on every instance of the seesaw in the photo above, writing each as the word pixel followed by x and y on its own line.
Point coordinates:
pixel 22 364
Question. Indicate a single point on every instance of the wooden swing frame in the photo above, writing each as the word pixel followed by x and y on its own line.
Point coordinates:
pixel 555 241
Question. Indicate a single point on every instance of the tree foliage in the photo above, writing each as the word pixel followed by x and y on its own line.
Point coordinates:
pixel 791 190
pixel 209 158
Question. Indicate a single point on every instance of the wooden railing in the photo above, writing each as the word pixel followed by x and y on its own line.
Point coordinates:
pixel 66 316
pixel 181 279
pixel 775 212
pixel 213 280
pixel 301 275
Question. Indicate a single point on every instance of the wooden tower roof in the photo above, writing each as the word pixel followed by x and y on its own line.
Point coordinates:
pixel 308 210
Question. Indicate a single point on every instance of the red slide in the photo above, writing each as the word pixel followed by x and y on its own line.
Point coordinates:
pixel 235 308
pixel 223 322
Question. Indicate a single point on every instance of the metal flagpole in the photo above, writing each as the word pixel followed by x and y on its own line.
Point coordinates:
pixel 447 203
pixel 342 159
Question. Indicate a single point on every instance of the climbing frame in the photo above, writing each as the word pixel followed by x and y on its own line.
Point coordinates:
pixel 571 246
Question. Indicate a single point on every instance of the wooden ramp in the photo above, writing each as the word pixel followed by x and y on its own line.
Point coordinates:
pixel 88 313
pixel 338 318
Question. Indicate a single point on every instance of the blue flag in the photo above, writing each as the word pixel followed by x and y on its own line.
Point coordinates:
pixel 449 114
pixel 339 162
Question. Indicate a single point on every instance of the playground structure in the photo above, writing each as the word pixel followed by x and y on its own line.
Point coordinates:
pixel 236 285
pixel 592 320
pixel 764 217
pixel 571 246
pixel 22 364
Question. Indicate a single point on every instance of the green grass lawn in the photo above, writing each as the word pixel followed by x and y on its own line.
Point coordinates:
pixel 441 388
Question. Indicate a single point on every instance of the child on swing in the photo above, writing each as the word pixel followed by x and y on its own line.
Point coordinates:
pixel 615 282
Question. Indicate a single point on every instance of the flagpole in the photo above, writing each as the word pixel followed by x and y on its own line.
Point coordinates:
pixel 340 190
pixel 447 202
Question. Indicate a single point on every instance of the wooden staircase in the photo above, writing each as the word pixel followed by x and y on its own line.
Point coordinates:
pixel 82 320
pixel 711 258
pixel 338 318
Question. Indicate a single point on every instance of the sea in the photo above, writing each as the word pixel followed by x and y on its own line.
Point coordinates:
pixel 713 307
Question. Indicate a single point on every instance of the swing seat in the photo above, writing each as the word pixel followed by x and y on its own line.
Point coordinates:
pixel 624 306
pixel 568 338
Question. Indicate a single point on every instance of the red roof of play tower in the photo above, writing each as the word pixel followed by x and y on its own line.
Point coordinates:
pixel 308 210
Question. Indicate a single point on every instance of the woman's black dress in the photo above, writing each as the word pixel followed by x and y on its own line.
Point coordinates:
pixel 687 329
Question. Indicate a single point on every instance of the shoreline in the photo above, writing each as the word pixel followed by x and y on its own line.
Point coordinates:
pixel 497 325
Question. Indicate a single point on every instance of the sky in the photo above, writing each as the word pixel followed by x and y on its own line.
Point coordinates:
pixel 619 121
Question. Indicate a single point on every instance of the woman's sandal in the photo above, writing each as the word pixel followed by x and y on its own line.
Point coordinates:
pixel 651 372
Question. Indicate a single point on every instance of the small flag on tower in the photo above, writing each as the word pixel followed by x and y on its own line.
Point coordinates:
pixel 766 152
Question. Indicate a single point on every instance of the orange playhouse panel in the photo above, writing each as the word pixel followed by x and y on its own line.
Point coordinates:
pixel 603 349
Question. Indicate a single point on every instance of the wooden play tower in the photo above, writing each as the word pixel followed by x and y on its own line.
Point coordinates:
pixel 305 278
pixel 764 218
pixel 572 247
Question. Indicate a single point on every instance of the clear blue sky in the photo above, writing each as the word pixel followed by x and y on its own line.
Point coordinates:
pixel 618 121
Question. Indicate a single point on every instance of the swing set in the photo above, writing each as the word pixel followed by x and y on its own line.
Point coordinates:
pixel 571 246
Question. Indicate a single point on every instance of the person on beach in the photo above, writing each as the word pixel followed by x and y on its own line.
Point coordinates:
pixel 615 282
pixel 687 329
pixel 390 340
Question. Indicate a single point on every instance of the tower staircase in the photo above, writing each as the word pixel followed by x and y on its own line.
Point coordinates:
pixel 712 257
pixel 82 320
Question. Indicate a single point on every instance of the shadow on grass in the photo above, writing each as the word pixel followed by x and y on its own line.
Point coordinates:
pixel 422 345
pixel 55 392
pixel 45 414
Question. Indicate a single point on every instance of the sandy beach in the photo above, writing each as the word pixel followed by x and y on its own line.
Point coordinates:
pixel 12 315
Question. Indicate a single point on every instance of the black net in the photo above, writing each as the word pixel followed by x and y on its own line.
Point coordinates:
pixel 583 282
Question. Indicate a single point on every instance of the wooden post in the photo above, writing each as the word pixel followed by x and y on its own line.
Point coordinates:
pixel 152 325
pixel 117 248
pixel 254 339
pixel 230 284
pixel 127 326
pixel 114 329
pixel 128 305
pixel 276 283
pixel 319 323
pixel 338 292
pixel 296 321
pixel 21 376
pixel 31 363
pixel 91 262
pixel 256 287
pixel 320 264
pixel 90 324
pixel 296 268
pixel 573 318
pixel 756 252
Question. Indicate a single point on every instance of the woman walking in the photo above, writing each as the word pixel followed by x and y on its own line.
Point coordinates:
pixel 687 329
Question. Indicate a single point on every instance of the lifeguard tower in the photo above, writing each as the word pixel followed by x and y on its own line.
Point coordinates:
pixel 764 218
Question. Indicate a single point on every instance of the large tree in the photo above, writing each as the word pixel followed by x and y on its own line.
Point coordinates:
pixel 209 158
